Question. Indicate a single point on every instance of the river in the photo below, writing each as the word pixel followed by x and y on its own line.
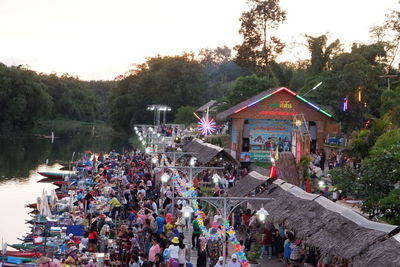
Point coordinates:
pixel 21 156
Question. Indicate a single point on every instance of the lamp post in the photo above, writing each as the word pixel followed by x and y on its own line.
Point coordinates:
pixel 157 113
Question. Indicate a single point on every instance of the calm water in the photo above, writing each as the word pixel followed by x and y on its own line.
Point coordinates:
pixel 22 156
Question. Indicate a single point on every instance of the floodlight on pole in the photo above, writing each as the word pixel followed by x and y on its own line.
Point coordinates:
pixel 315 87
pixel 165 177
pixel 262 214
pixel 187 211
pixel 216 178
pixel 193 161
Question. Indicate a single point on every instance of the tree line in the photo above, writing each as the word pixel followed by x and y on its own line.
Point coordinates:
pixel 27 97
pixel 227 75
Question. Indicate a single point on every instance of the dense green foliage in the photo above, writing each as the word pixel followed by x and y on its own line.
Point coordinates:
pixel 23 98
pixel 246 87
pixel 260 47
pixel 173 81
pixel 26 97
pixel 184 115
pixel 377 177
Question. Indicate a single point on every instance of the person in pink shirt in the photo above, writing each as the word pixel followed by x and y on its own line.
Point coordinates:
pixel 154 249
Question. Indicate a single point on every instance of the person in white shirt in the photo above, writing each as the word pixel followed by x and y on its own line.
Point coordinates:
pixel 220 262
pixel 234 261
pixel 174 249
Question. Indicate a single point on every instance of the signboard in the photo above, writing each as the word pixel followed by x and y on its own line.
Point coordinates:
pixel 255 156
pixel 265 135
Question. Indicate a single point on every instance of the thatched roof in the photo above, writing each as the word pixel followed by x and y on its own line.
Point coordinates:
pixel 206 152
pixel 246 185
pixel 386 253
pixel 224 114
pixel 332 228
pixel 286 168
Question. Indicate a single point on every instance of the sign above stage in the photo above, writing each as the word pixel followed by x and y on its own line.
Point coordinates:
pixel 281 104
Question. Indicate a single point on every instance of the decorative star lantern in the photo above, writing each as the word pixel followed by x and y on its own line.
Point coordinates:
pixel 206 125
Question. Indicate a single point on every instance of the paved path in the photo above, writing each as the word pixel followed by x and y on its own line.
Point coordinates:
pixel 264 262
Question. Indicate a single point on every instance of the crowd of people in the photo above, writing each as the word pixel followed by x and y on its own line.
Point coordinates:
pixel 128 214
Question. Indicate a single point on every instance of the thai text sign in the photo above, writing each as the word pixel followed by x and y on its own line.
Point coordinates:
pixel 281 104
pixel 267 134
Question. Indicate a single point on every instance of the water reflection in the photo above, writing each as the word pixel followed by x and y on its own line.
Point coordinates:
pixel 22 156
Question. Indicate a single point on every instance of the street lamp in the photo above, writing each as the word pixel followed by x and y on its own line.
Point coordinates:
pixel 262 214
pixel 187 211
pixel 165 177
pixel 193 161
pixel 216 178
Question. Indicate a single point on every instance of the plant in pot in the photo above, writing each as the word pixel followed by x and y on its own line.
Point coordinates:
pixel 254 255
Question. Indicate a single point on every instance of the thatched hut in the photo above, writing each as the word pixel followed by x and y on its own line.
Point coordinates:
pixel 247 185
pixel 386 253
pixel 208 153
pixel 330 227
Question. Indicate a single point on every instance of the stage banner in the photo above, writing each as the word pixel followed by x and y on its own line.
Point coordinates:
pixel 267 134
pixel 262 156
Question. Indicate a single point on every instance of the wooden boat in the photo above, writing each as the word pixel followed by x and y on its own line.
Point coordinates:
pixel 49 180
pixel 56 175
pixel 32 206
pixel 60 183
pixel 23 254
pixel 31 247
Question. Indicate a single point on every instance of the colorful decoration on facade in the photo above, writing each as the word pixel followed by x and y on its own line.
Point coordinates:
pixel 290 92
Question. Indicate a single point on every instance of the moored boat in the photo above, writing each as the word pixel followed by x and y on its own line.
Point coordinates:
pixel 57 175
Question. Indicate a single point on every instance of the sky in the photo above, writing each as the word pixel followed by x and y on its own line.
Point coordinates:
pixel 101 39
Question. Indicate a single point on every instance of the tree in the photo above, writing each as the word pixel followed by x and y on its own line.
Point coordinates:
pixel 388 35
pixel 220 70
pixel 363 140
pixel 174 81
pixel 23 98
pixel 259 47
pixel 246 87
pixel 391 105
pixel 390 207
pixel 377 177
pixel 184 115
pixel 353 75
pixel 321 53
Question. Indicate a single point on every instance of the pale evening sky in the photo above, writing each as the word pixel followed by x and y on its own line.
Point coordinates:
pixel 100 39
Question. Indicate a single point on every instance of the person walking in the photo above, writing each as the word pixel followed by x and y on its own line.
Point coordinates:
pixel 196 234
pixel 173 249
pixel 202 252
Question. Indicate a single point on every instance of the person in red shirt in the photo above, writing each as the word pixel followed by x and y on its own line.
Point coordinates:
pixel 267 242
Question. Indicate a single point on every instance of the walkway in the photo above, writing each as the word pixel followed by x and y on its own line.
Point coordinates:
pixel 264 262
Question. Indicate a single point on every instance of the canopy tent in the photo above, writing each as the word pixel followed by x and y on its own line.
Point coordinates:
pixel 247 185
pixel 323 224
